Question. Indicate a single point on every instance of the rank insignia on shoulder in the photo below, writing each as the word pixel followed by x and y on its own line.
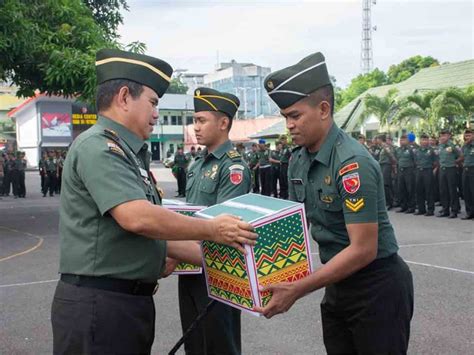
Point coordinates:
pixel 348 167
pixel 111 132
pixel 354 204
pixel 233 154
pixel 351 183
pixel 114 148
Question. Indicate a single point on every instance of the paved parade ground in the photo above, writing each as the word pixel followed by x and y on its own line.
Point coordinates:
pixel 439 252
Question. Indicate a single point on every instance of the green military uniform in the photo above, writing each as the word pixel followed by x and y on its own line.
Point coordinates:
pixel 341 184
pixel 103 303
pixel 386 161
pixel 181 162
pixel 284 160
pixel 406 178
pixel 21 167
pixel 51 167
pixel 468 178
pixel 255 171
pixel 213 178
pixel 276 155
pixel 425 159
pixel 265 170
pixel 375 151
pixel 448 179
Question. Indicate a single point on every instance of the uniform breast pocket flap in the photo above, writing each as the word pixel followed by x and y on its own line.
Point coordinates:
pixel 329 200
pixel 300 190
pixel 208 186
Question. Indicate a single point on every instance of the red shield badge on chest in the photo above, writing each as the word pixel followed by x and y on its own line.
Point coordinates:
pixel 351 183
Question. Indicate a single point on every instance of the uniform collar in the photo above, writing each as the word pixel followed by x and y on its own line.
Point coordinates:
pixel 324 153
pixel 133 141
pixel 222 149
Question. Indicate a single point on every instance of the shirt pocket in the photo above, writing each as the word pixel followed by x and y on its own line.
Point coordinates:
pixel 300 191
pixel 208 186
pixel 329 200
pixel 190 178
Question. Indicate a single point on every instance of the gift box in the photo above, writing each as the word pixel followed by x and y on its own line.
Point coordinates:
pixel 187 210
pixel 282 252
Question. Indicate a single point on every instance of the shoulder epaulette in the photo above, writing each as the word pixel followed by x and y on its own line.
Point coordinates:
pixel 234 155
pixel 111 134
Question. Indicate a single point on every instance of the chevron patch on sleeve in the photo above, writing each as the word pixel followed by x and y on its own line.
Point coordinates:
pixel 354 204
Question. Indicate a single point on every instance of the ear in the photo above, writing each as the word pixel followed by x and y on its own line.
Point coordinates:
pixel 325 110
pixel 224 123
pixel 122 99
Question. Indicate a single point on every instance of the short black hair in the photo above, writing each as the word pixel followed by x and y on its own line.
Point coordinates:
pixel 325 93
pixel 108 89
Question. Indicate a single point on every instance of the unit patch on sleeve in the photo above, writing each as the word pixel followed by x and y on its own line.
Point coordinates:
pixel 354 204
pixel 351 183
pixel 348 167
pixel 236 174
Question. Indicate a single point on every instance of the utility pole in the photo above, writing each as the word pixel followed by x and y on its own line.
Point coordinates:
pixel 366 55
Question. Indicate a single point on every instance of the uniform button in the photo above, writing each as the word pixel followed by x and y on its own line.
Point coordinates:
pixel 311 180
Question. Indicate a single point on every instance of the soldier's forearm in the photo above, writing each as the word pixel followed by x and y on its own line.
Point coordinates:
pixel 185 251
pixel 155 222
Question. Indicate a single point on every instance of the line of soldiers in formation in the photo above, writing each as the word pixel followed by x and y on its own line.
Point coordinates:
pixel 50 170
pixel 418 176
pixel 12 174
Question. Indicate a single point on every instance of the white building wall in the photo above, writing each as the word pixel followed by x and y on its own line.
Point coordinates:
pixel 27 135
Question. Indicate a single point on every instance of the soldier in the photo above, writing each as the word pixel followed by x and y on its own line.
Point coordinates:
pixel 425 160
pixel 42 170
pixel 361 138
pixel 468 173
pixel 181 161
pixel 220 174
pixel 7 174
pixel 386 161
pixel 375 149
pixel 14 165
pixel 406 176
pixel 253 165
pixel 112 228
pixel 59 174
pixel 265 168
pixel 285 159
pixel 51 167
pixel 368 302
pixel 2 161
pixel 275 158
pixel 449 158
pixel 21 165
pixel 434 145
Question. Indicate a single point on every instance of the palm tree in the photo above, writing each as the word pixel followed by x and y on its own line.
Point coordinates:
pixel 420 106
pixel 457 106
pixel 383 108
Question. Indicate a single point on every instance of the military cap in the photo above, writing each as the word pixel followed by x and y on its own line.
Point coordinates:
pixel 445 131
pixel 261 141
pixel 114 64
pixel 361 136
pixel 291 84
pixel 206 99
pixel 468 131
pixel 424 135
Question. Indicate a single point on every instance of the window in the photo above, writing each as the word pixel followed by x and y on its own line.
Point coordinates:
pixel 174 120
pixel 180 121
pixel 189 120
pixel 165 121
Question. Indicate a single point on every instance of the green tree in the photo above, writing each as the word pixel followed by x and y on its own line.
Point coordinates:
pixel 177 87
pixel 50 45
pixel 421 107
pixel 359 85
pixel 107 15
pixel 404 70
pixel 456 106
pixel 384 108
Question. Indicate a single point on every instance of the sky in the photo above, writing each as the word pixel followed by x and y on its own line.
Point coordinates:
pixel 195 35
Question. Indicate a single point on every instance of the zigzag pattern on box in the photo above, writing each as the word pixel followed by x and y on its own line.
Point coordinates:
pixel 230 297
pixel 211 248
pixel 217 257
pixel 228 283
pixel 221 258
pixel 289 274
pixel 282 258
pixel 186 267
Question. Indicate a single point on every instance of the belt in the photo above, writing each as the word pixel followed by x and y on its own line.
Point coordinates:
pixel 131 287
